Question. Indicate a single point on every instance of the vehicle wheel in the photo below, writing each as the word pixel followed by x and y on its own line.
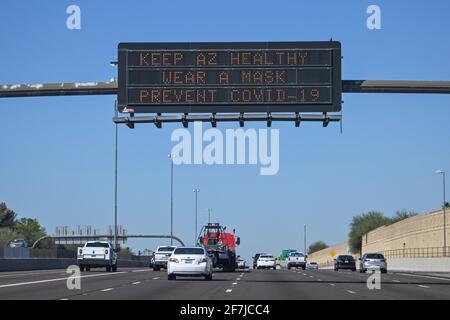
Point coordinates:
pixel 289 267
pixel 81 268
pixel 383 270
pixel 108 268
pixel 208 277
pixel 114 268
pixel 88 268
pixel 274 268
pixel 155 268
pixel 171 277
pixel 303 267
pixel 336 269
pixel 354 269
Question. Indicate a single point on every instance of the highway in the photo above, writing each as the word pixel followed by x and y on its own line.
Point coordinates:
pixel 133 283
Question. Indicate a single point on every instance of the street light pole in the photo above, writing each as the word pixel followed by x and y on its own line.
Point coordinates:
pixel 196 190
pixel 304 243
pixel 171 156
pixel 444 202
pixel 209 215
pixel 115 181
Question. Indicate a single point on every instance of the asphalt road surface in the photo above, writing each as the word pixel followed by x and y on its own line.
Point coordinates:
pixel 133 283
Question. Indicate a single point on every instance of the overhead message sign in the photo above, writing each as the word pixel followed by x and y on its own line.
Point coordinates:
pixel 230 77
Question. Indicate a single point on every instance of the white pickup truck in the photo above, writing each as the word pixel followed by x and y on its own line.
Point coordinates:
pixel 162 255
pixel 296 260
pixel 97 254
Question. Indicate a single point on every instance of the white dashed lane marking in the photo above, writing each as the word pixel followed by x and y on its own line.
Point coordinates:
pixel 108 289
pixel 137 282
pixel 350 291
pixel 332 284
pixel 155 278
pixel 234 283
pixel 228 290
pixel 397 281
pixel 423 286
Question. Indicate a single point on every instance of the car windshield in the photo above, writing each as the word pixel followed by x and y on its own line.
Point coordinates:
pixel 166 248
pixel 345 257
pixel 375 256
pixel 195 251
pixel 313 263
pixel 266 257
pixel 97 244
pixel 297 254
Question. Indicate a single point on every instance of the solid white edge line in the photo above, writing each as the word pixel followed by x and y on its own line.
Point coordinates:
pixel 423 276
pixel 57 279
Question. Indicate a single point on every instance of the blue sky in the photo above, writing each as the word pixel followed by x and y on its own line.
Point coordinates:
pixel 57 153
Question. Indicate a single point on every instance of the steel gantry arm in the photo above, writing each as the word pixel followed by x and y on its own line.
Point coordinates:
pixel 110 88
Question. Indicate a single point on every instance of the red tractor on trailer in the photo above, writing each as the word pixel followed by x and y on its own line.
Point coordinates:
pixel 220 245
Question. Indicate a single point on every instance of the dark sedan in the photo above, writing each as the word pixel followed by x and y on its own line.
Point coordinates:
pixel 344 262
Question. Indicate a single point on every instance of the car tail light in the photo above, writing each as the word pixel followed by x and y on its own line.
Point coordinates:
pixel 106 251
pixel 173 260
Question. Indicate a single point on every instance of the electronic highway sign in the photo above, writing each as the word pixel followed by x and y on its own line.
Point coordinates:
pixel 229 77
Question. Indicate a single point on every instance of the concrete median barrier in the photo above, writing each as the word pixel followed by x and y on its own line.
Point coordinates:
pixel 25 264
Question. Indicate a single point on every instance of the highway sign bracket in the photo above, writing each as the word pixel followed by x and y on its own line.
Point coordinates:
pixel 242 117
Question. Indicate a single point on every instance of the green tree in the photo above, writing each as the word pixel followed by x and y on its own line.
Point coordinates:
pixel 317 246
pixel 402 215
pixel 126 251
pixel 363 223
pixel 7 216
pixel 7 235
pixel 30 229
pixel 447 205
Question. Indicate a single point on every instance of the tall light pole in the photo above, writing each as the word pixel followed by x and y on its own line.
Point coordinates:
pixel 209 215
pixel 196 190
pixel 171 157
pixel 115 180
pixel 304 240
pixel 445 221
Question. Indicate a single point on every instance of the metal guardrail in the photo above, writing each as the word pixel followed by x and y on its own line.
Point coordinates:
pixel 430 252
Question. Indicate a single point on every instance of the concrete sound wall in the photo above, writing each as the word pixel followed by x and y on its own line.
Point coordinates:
pixel 422 231
pixel 326 256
